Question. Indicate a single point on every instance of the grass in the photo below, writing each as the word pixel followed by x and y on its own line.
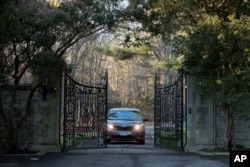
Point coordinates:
pixel 73 138
pixel 167 138
pixel 149 123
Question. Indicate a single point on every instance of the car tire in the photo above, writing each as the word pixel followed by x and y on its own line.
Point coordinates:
pixel 107 141
pixel 142 141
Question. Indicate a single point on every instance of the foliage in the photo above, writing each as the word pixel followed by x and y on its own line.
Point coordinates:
pixel 121 53
pixel 214 38
pixel 25 36
pixel 34 37
pixel 220 52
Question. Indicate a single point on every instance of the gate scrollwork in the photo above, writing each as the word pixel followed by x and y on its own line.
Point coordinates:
pixel 169 113
pixel 85 109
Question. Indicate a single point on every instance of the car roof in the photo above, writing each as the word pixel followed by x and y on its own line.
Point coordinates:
pixel 124 109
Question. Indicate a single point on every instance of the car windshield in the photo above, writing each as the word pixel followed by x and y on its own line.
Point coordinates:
pixel 124 115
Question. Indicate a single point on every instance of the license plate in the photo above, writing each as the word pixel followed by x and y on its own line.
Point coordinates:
pixel 124 133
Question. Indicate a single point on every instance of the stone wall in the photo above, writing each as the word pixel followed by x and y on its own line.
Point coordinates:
pixel 46 123
pixel 25 134
pixel 200 120
pixel 42 128
pixel 242 129
pixel 206 124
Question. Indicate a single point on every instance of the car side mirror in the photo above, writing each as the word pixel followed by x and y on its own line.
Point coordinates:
pixel 145 119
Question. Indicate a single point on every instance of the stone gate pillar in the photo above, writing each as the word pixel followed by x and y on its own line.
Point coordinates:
pixel 46 118
pixel 200 120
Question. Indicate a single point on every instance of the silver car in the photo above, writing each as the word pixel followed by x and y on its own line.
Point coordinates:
pixel 125 124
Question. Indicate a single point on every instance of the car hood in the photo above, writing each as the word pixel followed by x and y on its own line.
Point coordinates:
pixel 123 122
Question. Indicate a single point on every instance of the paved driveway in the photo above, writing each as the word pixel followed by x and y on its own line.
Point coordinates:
pixel 126 154
pixel 116 157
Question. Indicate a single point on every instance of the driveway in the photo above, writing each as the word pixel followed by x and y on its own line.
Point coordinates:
pixel 129 157
pixel 126 154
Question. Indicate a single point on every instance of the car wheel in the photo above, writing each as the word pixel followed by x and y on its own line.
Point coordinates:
pixel 142 141
pixel 107 141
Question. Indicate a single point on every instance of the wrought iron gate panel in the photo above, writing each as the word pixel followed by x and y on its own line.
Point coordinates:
pixel 85 109
pixel 169 114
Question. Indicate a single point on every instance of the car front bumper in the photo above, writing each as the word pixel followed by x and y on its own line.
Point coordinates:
pixel 125 135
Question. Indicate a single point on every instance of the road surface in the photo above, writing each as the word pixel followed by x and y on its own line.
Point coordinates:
pixel 117 154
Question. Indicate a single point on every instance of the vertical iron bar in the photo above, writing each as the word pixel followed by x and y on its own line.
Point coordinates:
pixel 158 110
pixel 186 98
pixel 106 109
pixel 155 114
pixel 64 112
pixel 176 114
pixel 182 73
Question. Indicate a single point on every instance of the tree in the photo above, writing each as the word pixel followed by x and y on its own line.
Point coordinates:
pixel 34 38
pixel 214 38
pixel 221 57
pixel 88 63
pixel 24 47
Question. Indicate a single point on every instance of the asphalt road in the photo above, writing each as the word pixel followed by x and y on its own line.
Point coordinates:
pixel 117 154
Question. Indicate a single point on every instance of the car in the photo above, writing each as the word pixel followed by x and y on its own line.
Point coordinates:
pixel 125 124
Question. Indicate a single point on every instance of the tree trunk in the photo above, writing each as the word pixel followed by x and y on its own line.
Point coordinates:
pixel 229 140
pixel 12 139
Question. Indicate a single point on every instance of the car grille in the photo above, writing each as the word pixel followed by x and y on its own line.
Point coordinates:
pixel 123 128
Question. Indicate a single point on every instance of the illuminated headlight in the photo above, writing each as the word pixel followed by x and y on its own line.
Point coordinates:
pixel 138 126
pixel 110 126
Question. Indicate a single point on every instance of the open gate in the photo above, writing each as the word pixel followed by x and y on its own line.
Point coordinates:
pixel 169 123
pixel 84 117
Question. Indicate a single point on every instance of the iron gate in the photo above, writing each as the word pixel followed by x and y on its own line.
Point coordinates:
pixel 84 117
pixel 169 123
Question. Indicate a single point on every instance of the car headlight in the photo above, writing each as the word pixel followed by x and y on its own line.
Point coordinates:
pixel 138 126
pixel 110 126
